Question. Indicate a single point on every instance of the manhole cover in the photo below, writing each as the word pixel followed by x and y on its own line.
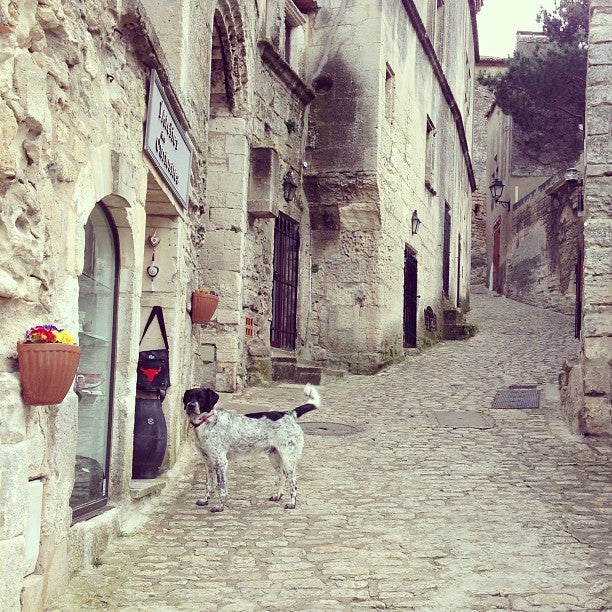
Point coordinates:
pixel 314 428
pixel 456 420
pixel 517 398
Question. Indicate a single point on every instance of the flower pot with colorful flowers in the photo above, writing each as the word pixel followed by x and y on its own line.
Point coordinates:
pixel 48 361
pixel 203 306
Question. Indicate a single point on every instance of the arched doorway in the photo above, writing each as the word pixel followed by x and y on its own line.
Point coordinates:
pixel 94 380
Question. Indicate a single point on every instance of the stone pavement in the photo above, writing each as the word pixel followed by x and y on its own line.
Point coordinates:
pixel 421 508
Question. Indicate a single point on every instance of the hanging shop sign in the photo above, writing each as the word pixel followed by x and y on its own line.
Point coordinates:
pixel 166 143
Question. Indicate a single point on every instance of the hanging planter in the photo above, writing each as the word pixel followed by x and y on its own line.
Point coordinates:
pixel 48 361
pixel 203 306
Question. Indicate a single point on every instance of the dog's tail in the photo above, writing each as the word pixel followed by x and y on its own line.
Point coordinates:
pixel 315 401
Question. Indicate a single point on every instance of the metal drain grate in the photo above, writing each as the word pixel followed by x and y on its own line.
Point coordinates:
pixel 517 398
pixel 314 428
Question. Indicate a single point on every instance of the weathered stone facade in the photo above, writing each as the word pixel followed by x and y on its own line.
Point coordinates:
pixel 483 102
pixel 545 247
pixel 586 383
pixel 373 120
pixel 388 134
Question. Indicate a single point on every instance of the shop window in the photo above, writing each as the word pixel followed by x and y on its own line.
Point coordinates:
pixel 94 380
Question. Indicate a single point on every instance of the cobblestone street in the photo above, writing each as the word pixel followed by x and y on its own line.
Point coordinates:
pixel 419 508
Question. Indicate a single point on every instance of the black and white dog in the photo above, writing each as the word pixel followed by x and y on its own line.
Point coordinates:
pixel 221 435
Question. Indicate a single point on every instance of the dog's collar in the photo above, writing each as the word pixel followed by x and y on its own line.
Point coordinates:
pixel 206 418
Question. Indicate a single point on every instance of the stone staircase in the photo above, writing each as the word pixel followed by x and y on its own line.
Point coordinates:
pixel 455 326
pixel 290 369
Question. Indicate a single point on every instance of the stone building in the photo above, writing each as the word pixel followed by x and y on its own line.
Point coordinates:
pixel 145 153
pixel 515 168
pixel 527 230
pixel 586 383
pixel 388 141
pixel 483 103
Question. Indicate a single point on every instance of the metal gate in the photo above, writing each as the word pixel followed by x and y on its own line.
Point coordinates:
pixel 446 252
pixel 410 299
pixel 283 330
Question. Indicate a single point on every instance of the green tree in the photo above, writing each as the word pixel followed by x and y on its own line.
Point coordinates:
pixel 544 91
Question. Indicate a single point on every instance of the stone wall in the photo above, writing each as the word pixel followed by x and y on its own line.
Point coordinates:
pixel 586 383
pixel 546 241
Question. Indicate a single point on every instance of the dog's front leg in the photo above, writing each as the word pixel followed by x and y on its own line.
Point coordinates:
pixel 221 473
pixel 210 483
pixel 292 477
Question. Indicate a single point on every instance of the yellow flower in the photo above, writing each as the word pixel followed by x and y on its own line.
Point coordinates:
pixel 64 337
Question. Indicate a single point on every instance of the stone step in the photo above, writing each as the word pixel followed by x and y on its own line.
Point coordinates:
pixel 461 331
pixel 289 370
pixel 307 374
pixel 302 371
pixel 452 316
pixel 331 373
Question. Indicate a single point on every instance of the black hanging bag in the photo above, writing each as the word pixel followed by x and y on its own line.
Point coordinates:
pixel 153 372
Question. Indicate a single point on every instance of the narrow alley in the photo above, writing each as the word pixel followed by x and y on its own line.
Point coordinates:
pixel 414 493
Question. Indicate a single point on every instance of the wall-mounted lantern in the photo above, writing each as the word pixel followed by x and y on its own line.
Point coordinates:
pixel 290 186
pixel 416 222
pixel 572 177
pixel 497 189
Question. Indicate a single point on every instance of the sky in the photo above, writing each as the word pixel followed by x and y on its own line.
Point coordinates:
pixel 499 21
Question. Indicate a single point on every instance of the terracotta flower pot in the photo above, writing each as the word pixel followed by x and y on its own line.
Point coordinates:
pixel 203 306
pixel 47 371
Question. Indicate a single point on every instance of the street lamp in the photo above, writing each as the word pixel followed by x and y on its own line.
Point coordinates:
pixel 290 186
pixel 415 222
pixel 497 189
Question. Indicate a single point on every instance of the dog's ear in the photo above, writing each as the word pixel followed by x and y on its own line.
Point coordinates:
pixel 211 398
pixel 186 397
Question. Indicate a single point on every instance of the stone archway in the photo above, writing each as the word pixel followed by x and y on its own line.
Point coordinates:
pixel 228 93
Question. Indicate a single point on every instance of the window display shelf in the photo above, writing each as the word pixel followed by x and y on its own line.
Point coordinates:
pixel 91 393
pixel 88 339
pixel 89 285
